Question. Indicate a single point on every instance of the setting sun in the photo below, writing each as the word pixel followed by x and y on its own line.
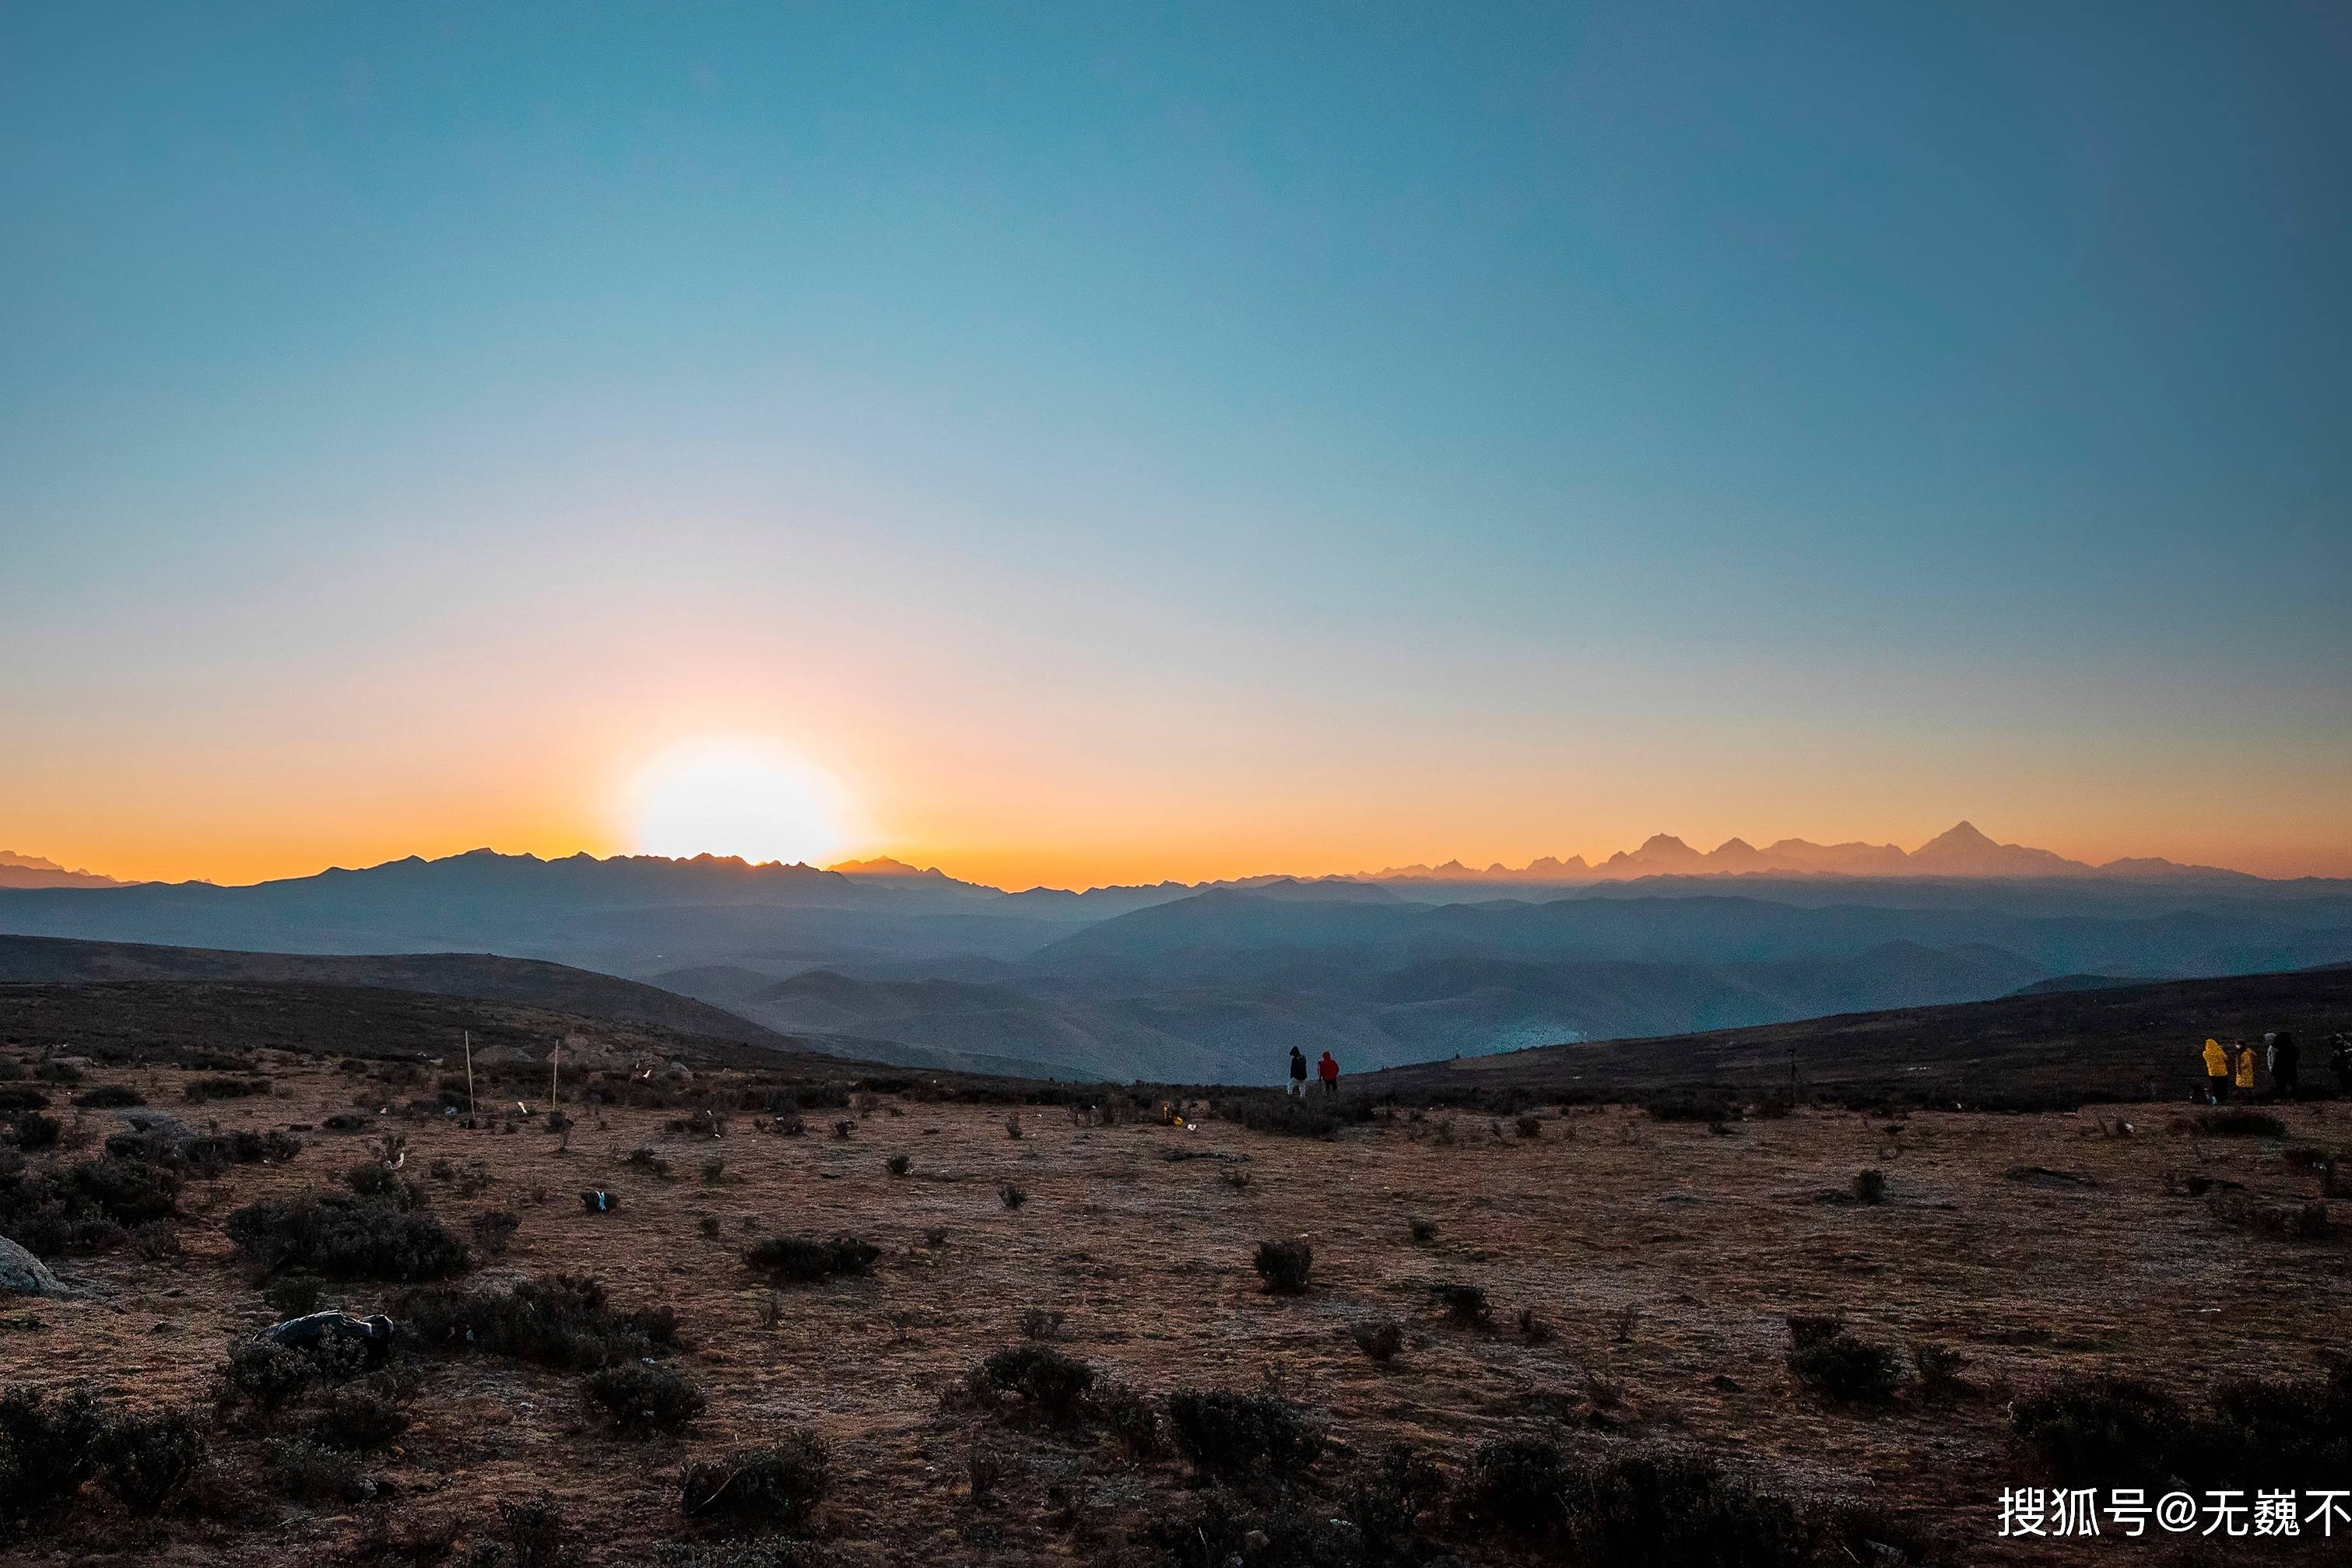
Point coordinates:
pixel 736 797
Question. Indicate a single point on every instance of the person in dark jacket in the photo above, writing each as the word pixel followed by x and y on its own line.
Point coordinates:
pixel 1297 1072
pixel 2286 1064
pixel 1329 1068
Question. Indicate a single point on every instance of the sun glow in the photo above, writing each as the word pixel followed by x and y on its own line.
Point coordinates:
pixel 736 797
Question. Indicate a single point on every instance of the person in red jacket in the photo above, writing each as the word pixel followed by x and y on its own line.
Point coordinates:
pixel 1328 1071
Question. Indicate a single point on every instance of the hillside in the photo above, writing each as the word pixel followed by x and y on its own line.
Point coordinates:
pixel 2138 1041
pixel 159 1019
pixel 482 977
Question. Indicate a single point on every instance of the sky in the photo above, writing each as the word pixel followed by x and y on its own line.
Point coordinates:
pixel 1099 443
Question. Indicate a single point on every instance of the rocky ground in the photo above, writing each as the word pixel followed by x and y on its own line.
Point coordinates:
pixel 1660 1262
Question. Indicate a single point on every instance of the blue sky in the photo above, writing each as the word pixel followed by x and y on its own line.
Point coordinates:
pixel 1538 420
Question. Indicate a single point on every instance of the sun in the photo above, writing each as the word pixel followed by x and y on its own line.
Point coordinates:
pixel 736 797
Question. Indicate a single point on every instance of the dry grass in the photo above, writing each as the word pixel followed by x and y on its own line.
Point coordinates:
pixel 1719 1239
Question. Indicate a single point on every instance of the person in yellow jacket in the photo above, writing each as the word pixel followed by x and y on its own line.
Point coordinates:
pixel 2246 1069
pixel 2217 1072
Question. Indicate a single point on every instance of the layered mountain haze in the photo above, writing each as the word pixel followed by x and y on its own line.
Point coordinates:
pixel 34 871
pixel 884 960
pixel 1962 851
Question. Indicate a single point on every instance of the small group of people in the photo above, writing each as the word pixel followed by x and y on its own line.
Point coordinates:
pixel 2232 1069
pixel 1327 1070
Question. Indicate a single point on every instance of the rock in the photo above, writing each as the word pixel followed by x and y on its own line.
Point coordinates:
pixel 22 1274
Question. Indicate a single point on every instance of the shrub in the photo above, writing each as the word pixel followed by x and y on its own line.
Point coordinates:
pixel 1870 1185
pixel 1379 1341
pixel 1938 1367
pixel 49 1445
pixel 203 1089
pixel 1670 1510
pixel 2100 1430
pixel 805 1259
pixel 1465 1304
pixel 36 1131
pixel 149 1458
pixel 648 1162
pixel 1284 1115
pixel 360 1416
pixel 555 1320
pixel 1517 1485
pixel 533 1531
pixel 986 1465
pixel 1050 1383
pixel 1013 1195
pixel 156 1241
pixel 295 1295
pixel 16 1097
pixel 251 1149
pixel 494 1229
pixel 1127 1416
pixel 1225 1526
pixel 637 1397
pixel 265 1373
pixel 313 1472
pixel 129 1192
pixel 2238 1122
pixel 774 1488
pixel 1422 1230
pixel 1284 1265
pixel 1230 1433
pixel 346 1237
pixel 1387 1505
pixel 1041 1322
pixel 1827 1359
pixel 714 1171
pixel 373 1178
pixel 899 1165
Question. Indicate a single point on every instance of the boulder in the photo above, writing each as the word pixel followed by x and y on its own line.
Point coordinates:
pixel 22 1274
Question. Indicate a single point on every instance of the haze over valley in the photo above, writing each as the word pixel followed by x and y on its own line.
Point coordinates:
pixel 881 961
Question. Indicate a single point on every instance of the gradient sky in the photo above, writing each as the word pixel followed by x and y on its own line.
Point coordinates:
pixel 1114 443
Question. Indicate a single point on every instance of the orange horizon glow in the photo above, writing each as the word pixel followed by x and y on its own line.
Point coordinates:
pixel 142 858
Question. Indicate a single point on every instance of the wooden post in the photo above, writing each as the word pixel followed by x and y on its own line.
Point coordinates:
pixel 469 1072
pixel 555 1058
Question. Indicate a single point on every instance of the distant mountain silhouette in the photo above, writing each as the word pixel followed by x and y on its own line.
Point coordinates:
pixel 34 871
pixel 1960 852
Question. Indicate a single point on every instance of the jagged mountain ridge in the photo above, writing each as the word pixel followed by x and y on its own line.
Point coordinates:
pixel 1961 851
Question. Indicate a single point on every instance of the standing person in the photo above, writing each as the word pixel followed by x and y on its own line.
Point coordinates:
pixel 2246 1067
pixel 2217 1072
pixel 2287 1063
pixel 1297 1072
pixel 1329 1068
pixel 2339 1063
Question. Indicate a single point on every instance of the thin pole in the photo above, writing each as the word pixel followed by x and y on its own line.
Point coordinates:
pixel 554 1057
pixel 470 1071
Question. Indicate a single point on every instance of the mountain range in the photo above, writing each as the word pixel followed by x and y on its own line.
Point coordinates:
pixel 33 871
pixel 889 962
pixel 1960 851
